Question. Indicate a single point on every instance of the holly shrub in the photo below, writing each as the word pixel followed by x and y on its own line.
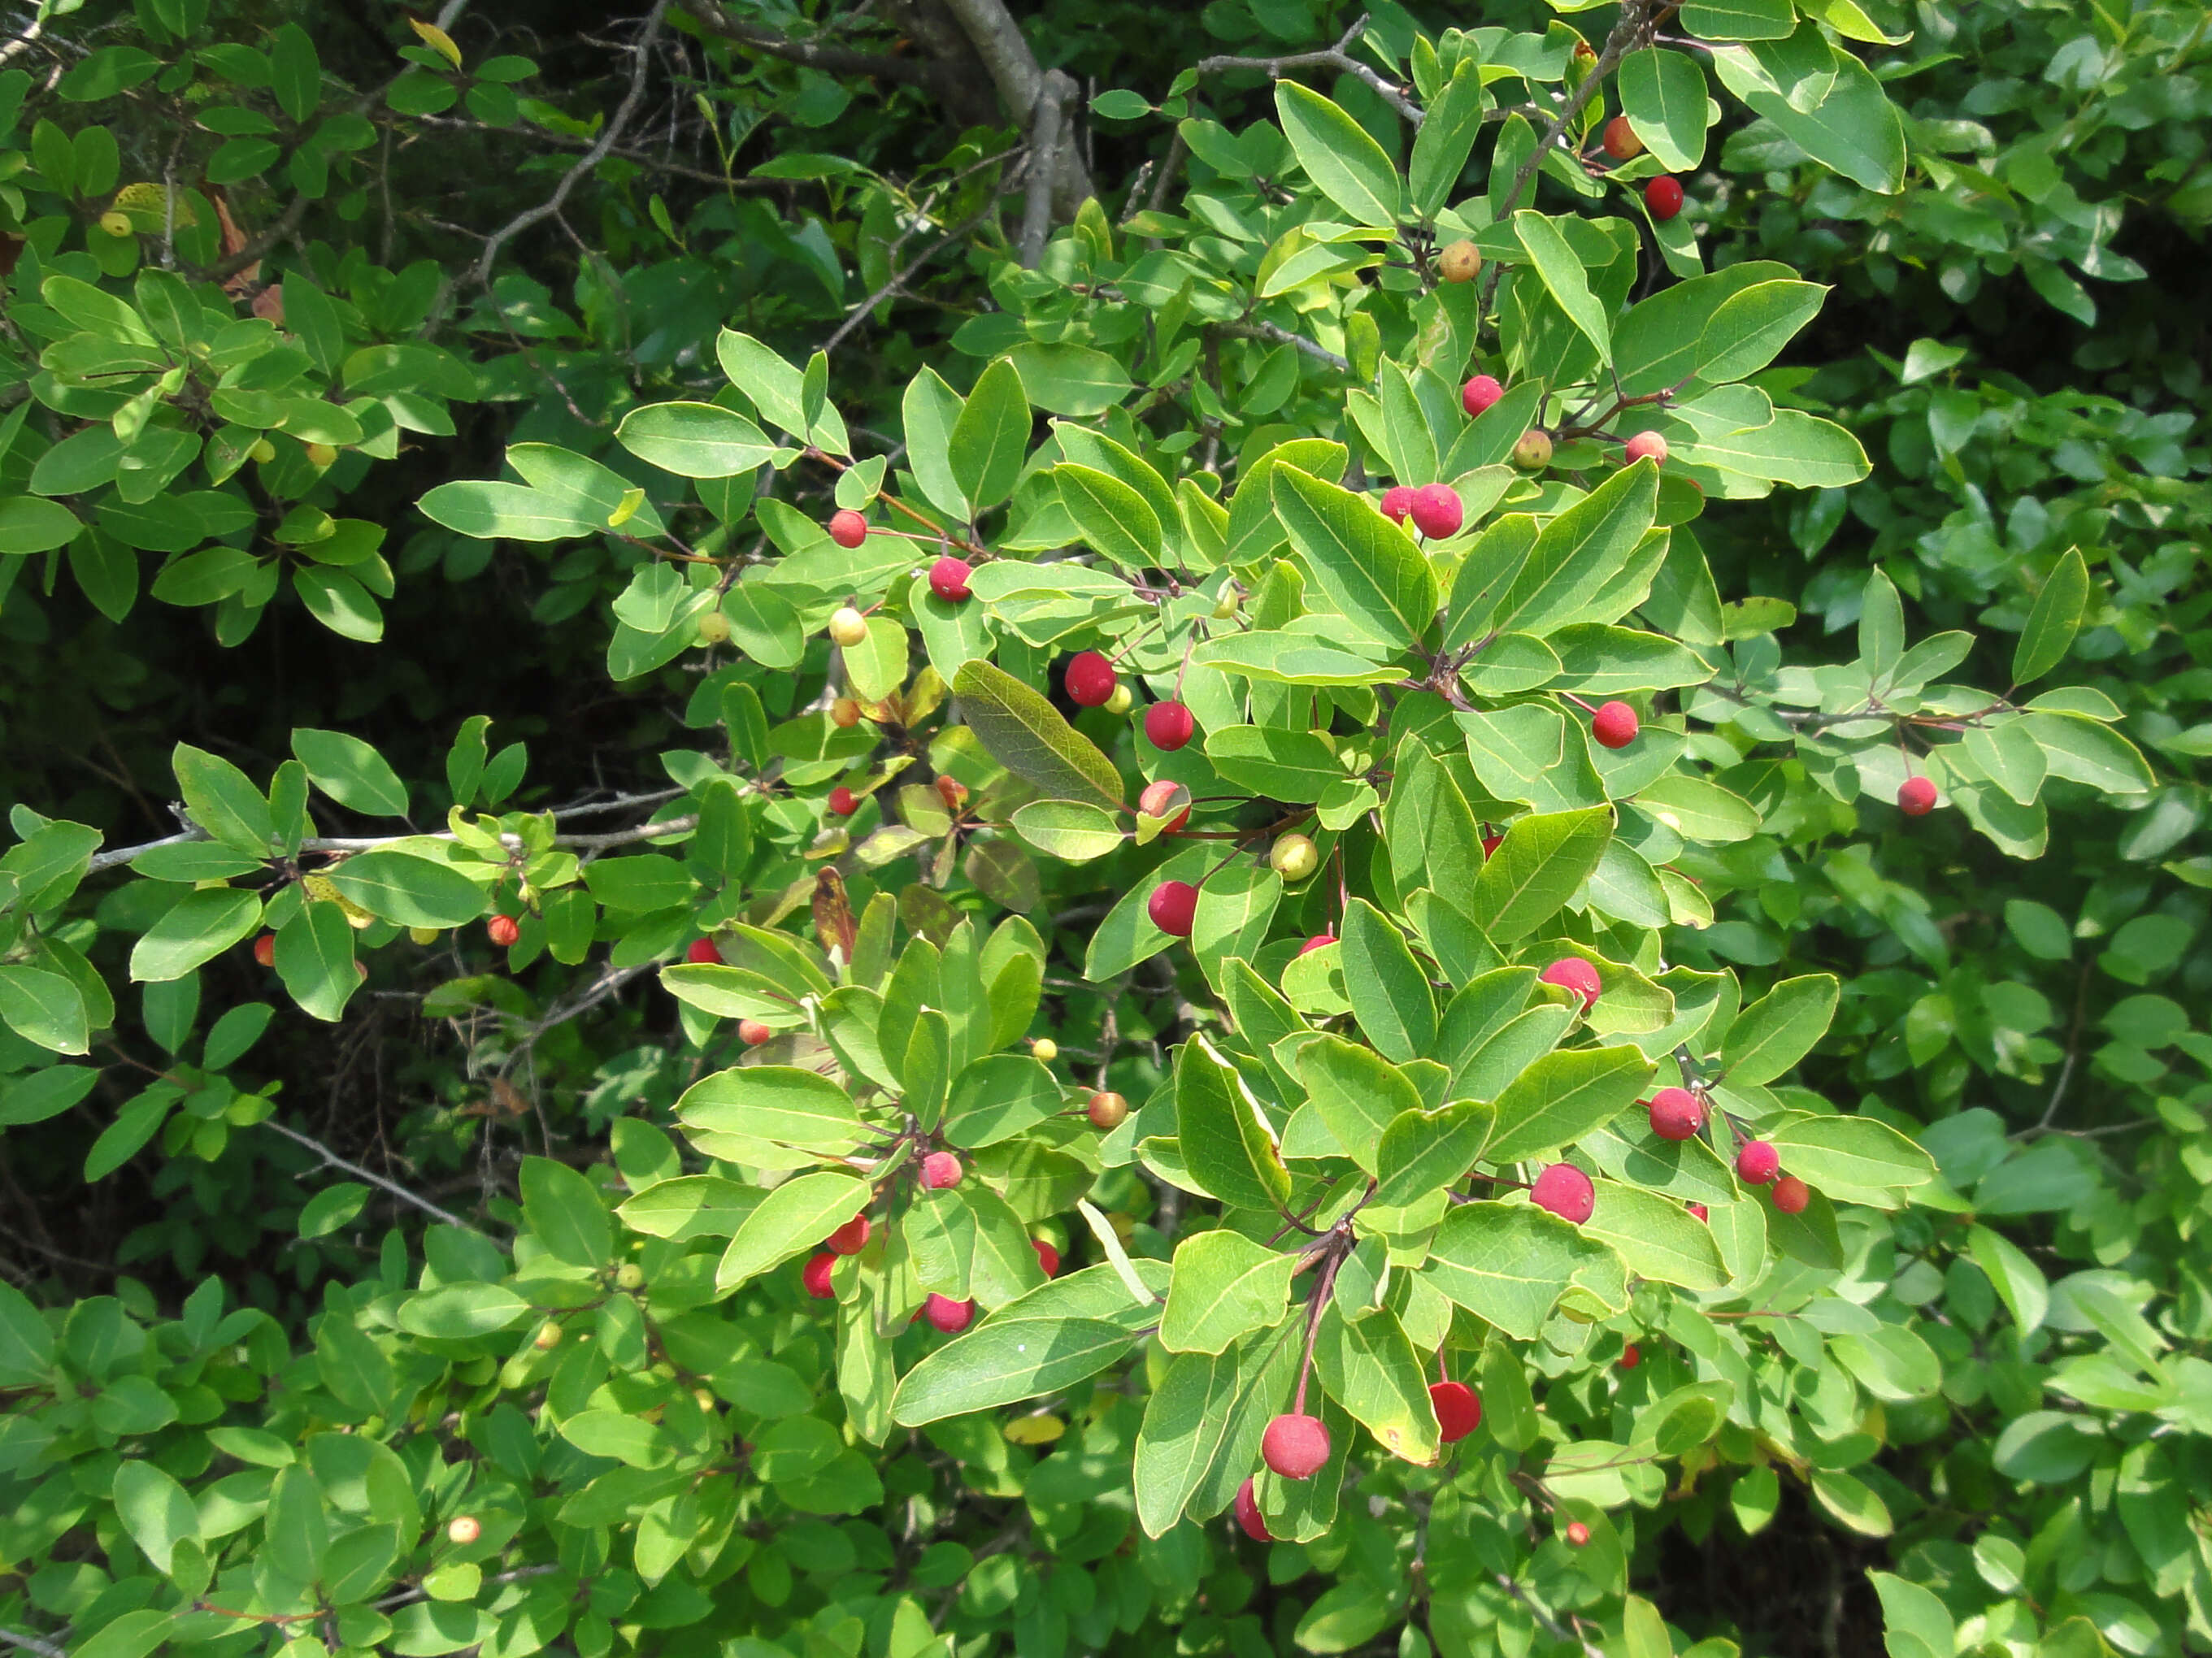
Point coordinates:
pixel 1388 873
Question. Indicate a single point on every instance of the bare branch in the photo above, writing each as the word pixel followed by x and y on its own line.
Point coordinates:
pixel 1013 69
pixel 897 283
pixel 606 985
pixel 1048 118
pixel 1267 331
pixel 1336 58
pixel 332 1160
pixel 831 60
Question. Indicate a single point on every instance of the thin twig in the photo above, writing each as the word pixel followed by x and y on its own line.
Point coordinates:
pixel 1336 58
pixel 1267 331
pixel 332 1160
pixel 1557 1630
pixel 31 1643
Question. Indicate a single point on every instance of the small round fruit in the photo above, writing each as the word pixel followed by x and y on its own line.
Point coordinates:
pixel 1478 393
pixel 1620 139
pixel 843 802
pixel 1578 1532
pixel 422 935
pixel 1048 1257
pixel 1437 512
pixel 1316 942
pixel 1565 1191
pixel 1916 796
pixel 1398 502
pixel 713 628
pixel 845 713
pixel 939 1170
pixel 321 454
pixel 952 792
pixel 1573 973
pixel 1677 1115
pixel 948 579
pixel 1758 1162
pixel 1168 727
pixel 815 1276
pixel 264 451
pixel 1533 452
pixel 630 1276
pixel 1791 1195
pixel 848 627
pixel 1228 604
pixel 264 949
pixel 115 223
pixel 850 1238
pixel 1461 261
pixel 1630 1357
pixel 1701 1212
pixel 1647 446
pixel 1106 1110
pixel 1247 1514
pixel 1490 846
pixel 848 528
pixel 703 953
pixel 1663 196
pixel 1090 679
pixel 1294 857
pixel 503 931
pixel 1295 1447
pixel 548 1337
pixel 1121 701
pixel 1459 1412
pixel 947 1315
pixel 1044 1050
pixel 463 1529
pixel 752 1033
pixel 1157 800
pixel 1173 907
pixel 1614 725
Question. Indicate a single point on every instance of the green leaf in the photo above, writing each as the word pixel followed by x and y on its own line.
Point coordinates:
pixel 1346 164
pixel 1508 1263
pixel 222 801
pixel 792 1219
pixel 786 1104
pixel 990 438
pixel 995 1097
pixel 1658 1238
pixel 45 1009
pixel 2053 623
pixel 1027 735
pixel 690 1207
pixel 332 1207
pixel 315 961
pixel 1541 864
pixel 1368 1366
pixel 1563 1096
pixel 27 1345
pixel 32 524
pixel 1854 129
pixel 1186 1420
pixel 1424 1151
pixel 1004 1360
pixel 1772 1034
pixel 1861 1151
pixel 1111 515
pixel 411 892
pixel 565 1212
pixel 1445 139
pixel 1663 95
pixel 350 772
pixel 1226 1286
pixel 1073 831
pixel 693 441
pixel 1358 1093
pixel 1739 20
pixel 616 1434
pixel 1577 551
pixel 133 1635
pixel 197 928
pixel 1794 448
pixel 1368 566
pixel 1915 1623
pixel 1753 324
pixel 1225 1141
pixel 458 1312
pixel 2020 1282
pixel 1564 278
pixel 155 1510
pixel 1389 991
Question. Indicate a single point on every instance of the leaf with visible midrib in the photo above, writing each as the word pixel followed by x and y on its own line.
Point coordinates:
pixel 1338 155
pixel 1564 1095
pixel 1003 1361
pixel 1025 734
pixel 2051 624
pixel 1365 564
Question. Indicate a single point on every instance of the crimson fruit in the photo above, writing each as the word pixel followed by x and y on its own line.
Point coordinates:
pixel 940 1169
pixel 1048 1257
pixel 1676 1114
pixel 1317 942
pixel 1578 1532
pixel 1168 727
pixel 1436 510
pixel 947 1315
pixel 1478 393
pixel 752 1033
pixel 1648 446
pixel 1106 1110
pixel 264 949
pixel 1758 1162
pixel 1614 725
pixel 503 930
pixel 1157 799
pixel 1459 1412
pixel 1566 1192
pixel 1572 973
pixel 1247 1514
pixel 1091 680
pixel 1398 502
pixel 1791 1195
pixel 1295 1447
pixel 815 1276
pixel 1916 796
pixel 1663 196
pixel 848 528
pixel 702 951
pixel 948 579
pixel 850 1238
pixel 843 801
pixel 1630 1357
pixel 1173 907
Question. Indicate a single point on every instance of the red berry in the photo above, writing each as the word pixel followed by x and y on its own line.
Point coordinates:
pixel 1437 512
pixel 1676 1114
pixel 1490 845
pixel 1316 942
pixel 702 951
pixel 940 1169
pixel 850 1238
pixel 1091 680
pixel 843 801
pixel 1630 1357
pixel 1566 1192
pixel 503 930
pixel 1248 1515
pixel 1459 1412
pixel 1614 725
pixel 1398 502
pixel 1173 906
pixel 752 1033
pixel 1578 1532
pixel 848 528
pixel 952 792
pixel 1573 973
pixel 1620 139
pixel 1107 1109
pixel 264 949
pixel 815 1276
pixel 1295 1447
pixel 1155 800
pixel 947 1315
pixel 1791 1195
pixel 948 579
pixel 1648 446
pixel 1757 1162
pixel 1916 796
pixel 1168 725
pixel 1663 196
pixel 1048 1257
pixel 1478 393
pixel 1700 1211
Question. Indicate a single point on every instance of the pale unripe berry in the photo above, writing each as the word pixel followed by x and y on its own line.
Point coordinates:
pixel 1173 907
pixel 264 451
pixel 1647 446
pixel 1107 1110
pixel 1573 973
pixel 115 223
pixel 952 792
pixel 1294 857
pixel 1295 1447
pixel 1461 261
pixel 630 1276
pixel 752 1033
pixel 1566 1192
pixel 463 1529
pixel 845 713
pixel 422 935
pixel 713 628
pixel 1044 1050
pixel 1479 394
pixel 1620 139
pixel 1120 702
pixel 848 528
pixel 547 1338
pixel 848 627
pixel 1533 452
pixel 321 454
pixel 1578 1532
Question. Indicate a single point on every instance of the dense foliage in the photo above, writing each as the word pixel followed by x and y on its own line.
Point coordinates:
pixel 792 809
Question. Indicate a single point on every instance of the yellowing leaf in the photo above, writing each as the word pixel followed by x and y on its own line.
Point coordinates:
pixel 437 40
